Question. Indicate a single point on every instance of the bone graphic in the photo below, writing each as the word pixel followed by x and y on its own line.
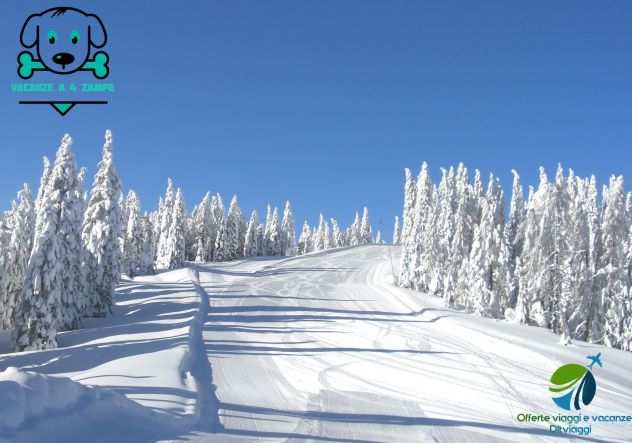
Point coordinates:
pixel 98 65
pixel 27 65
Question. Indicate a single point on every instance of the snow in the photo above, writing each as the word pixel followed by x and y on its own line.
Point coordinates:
pixel 319 347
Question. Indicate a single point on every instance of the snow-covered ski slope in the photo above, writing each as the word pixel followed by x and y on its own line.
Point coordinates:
pixel 320 348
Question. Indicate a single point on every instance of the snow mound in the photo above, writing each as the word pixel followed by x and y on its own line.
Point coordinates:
pixel 30 397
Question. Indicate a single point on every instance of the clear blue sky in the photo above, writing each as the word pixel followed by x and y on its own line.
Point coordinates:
pixel 325 102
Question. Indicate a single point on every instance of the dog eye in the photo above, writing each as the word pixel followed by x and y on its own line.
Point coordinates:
pixel 52 36
pixel 74 37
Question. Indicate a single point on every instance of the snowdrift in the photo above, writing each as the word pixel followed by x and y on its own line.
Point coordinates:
pixel 27 396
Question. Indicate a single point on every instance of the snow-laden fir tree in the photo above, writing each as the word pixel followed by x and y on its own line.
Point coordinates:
pixel 275 235
pixel 260 239
pixel 165 214
pixel 613 274
pixel 268 224
pixel 366 234
pixel 355 236
pixel 234 244
pixel 397 231
pixel 149 246
pixel 176 243
pixel 288 243
pixel 101 232
pixel 52 297
pixel 304 240
pixel 319 236
pixel 251 247
pixel 16 255
pixel 407 239
pixel 337 234
pixel 220 250
pixel 217 220
pixel 134 242
pixel 202 228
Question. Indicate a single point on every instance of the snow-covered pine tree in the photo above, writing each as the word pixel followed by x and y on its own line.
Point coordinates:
pixel 134 242
pixel 409 245
pixel 43 180
pixel 260 239
pixel 337 234
pixel 355 237
pixel 319 234
pixel 514 234
pixel 176 244
pixel 16 254
pixel 165 214
pixel 217 220
pixel 397 231
pixel 250 243
pixel 266 245
pixel 221 244
pixel 614 286
pixel 422 232
pixel 275 233
pixel 234 245
pixel 51 296
pixel 100 234
pixel 202 228
pixel 366 234
pixel 304 239
pixel 149 245
pixel 289 235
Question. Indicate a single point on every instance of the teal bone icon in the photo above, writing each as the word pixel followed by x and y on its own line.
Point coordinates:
pixel 98 65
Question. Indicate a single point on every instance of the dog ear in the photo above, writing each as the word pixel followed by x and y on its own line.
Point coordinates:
pixel 28 36
pixel 96 31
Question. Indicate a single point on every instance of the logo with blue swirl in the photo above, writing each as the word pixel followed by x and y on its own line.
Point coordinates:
pixel 574 385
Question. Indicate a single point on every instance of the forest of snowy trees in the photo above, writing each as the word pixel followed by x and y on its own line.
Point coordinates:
pixel 62 253
pixel 561 259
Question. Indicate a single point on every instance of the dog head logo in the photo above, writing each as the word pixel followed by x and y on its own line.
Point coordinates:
pixel 61 40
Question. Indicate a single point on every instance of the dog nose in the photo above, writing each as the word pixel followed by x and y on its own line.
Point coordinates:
pixel 63 59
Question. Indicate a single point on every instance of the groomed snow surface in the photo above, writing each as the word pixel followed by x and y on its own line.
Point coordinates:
pixel 319 348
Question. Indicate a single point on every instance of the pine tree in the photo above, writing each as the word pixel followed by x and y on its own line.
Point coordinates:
pixel 366 234
pixel 288 244
pixel 202 227
pixel 250 244
pixel 165 214
pixel 275 233
pixel 408 241
pixel 101 232
pixel 133 250
pixel 234 245
pixel 612 271
pixel 221 245
pixel 355 237
pixel 304 239
pixel 149 245
pixel 338 235
pixel 17 253
pixel 397 232
pixel 217 220
pixel 176 243
pixel 50 298
pixel 266 247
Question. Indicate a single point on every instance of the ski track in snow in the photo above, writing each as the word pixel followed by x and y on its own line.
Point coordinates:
pixel 317 348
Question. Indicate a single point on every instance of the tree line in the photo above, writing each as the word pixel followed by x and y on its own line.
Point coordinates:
pixel 559 259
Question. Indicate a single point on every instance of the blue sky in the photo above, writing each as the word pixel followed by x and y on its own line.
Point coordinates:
pixel 324 103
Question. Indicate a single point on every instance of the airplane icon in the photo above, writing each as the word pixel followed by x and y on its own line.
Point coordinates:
pixel 594 359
